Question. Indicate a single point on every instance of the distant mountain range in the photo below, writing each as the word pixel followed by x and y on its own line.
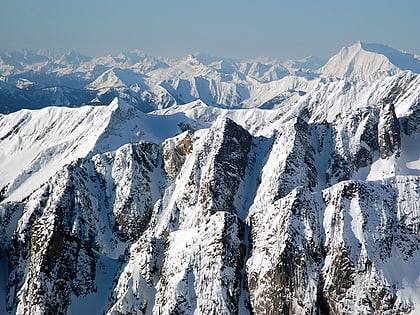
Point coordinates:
pixel 35 80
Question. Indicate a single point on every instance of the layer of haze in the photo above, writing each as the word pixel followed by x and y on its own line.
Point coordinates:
pixel 228 28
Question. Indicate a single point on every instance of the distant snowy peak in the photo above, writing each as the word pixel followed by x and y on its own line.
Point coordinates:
pixel 107 79
pixel 117 78
pixel 356 62
pixel 73 58
pixel 363 61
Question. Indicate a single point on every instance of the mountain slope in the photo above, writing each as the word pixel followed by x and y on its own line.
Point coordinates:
pixel 357 62
pixel 403 60
pixel 309 208
pixel 362 61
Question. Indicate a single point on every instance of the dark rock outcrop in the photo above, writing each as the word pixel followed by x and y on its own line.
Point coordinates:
pixel 388 132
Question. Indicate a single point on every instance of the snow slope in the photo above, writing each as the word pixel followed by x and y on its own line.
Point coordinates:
pixel 356 62
pixel 36 144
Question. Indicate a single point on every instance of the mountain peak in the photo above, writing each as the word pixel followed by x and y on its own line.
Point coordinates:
pixel 356 62
pixel 364 60
pixel 73 57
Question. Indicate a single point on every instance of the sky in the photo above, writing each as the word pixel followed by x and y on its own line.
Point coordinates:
pixel 244 29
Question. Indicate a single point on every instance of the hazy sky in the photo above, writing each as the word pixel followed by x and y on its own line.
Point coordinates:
pixel 229 28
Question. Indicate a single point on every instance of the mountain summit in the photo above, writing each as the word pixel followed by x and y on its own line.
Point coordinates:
pixel 360 61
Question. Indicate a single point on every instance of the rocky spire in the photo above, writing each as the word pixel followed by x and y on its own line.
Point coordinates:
pixel 388 132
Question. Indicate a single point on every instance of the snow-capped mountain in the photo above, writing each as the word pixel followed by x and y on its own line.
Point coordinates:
pixel 221 201
pixel 362 61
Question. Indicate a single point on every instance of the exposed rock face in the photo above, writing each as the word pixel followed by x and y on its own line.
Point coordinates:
pixel 86 210
pixel 200 250
pixel 135 290
pixel 354 140
pixel 389 132
pixel 352 272
pixel 295 216
pixel 133 166
pixel 298 168
pixel 228 152
pixel 48 261
pixel 174 152
pixel 284 269
pixel 214 251
pixel 411 123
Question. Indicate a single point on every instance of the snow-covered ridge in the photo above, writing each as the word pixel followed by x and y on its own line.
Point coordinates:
pixel 41 142
pixel 35 144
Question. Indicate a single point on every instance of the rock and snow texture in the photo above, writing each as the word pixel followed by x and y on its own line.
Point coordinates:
pixel 311 208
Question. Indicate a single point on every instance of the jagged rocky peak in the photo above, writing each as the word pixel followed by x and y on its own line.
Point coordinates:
pixel 388 132
pixel 294 143
pixel 229 144
pixel 201 238
pixel 208 180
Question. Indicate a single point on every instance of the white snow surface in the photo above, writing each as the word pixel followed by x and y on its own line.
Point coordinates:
pixel 355 62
